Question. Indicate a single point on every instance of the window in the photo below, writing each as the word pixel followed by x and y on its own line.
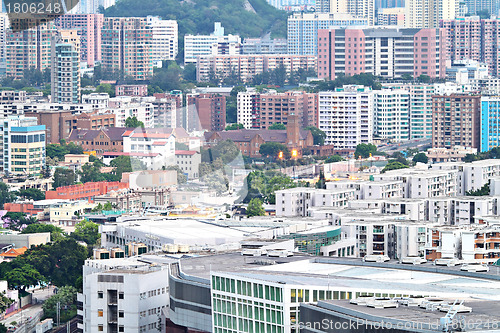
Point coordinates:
pixel 100 313
pixel 121 314
pixel 121 295
pixel 100 294
pixel 100 328
pixel 121 329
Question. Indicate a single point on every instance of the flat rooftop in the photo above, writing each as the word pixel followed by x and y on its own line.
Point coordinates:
pixel 351 274
pixel 483 313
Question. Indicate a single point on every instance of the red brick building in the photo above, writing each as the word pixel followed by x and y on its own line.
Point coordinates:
pixel 102 140
pixel 87 191
pixel 59 124
pixel 250 140
pixel 206 111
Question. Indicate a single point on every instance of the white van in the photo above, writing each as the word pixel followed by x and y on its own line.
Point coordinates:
pixel 447 262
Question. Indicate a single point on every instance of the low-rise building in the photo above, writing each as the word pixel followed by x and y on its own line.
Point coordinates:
pixel 87 191
pixel 189 162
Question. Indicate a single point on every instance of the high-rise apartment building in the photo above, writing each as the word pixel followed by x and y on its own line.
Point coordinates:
pixel 65 67
pixel 261 110
pixel 214 44
pixel 303 29
pixel 358 8
pixel 381 51
pixel 475 6
pixel 89 28
pixel 346 116
pixel 421 111
pixel 490 122
pixel 474 39
pixel 391 16
pixel 264 46
pixel 428 13
pixel 126 46
pixel 206 112
pixel 391 114
pixel 4 24
pixel 28 49
pixel 456 121
pixel 245 66
pixel 22 146
pixel 164 38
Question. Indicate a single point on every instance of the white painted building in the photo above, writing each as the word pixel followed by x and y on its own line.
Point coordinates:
pixel 124 107
pixel 382 189
pixel 245 105
pixel 189 162
pixel 164 39
pixel 214 44
pixel 123 295
pixel 423 183
pixel 297 201
pixel 411 239
pixel 391 114
pixel 346 116
pixel 98 101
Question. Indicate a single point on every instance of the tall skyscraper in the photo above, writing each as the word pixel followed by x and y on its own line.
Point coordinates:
pixel 89 29
pixel 65 67
pixel 126 46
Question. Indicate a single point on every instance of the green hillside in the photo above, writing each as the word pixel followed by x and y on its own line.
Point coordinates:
pixel 198 16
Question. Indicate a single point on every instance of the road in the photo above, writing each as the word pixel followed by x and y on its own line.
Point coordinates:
pixel 40 295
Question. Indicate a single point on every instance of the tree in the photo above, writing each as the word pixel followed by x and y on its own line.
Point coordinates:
pixel 318 135
pixel 394 165
pixel 18 221
pixel 424 78
pixel 399 157
pixel 23 277
pixel 334 158
pixel 364 150
pixel 133 122
pixel 5 195
pixel 55 232
pixel 226 150
pixel 87 231
pixel 106 88
pixel 63 177
pixel 60 262
pixel 255 208
pixel 407 77
pixel 124 163
pixel 234 127
pixel 483 14
pixel 273 149
pixel 31 193
pixel 66 297
pixel 483 191
pixel 420 158
pixel 277 126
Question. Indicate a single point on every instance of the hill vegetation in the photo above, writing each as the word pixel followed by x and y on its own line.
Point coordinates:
pixel 247 18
